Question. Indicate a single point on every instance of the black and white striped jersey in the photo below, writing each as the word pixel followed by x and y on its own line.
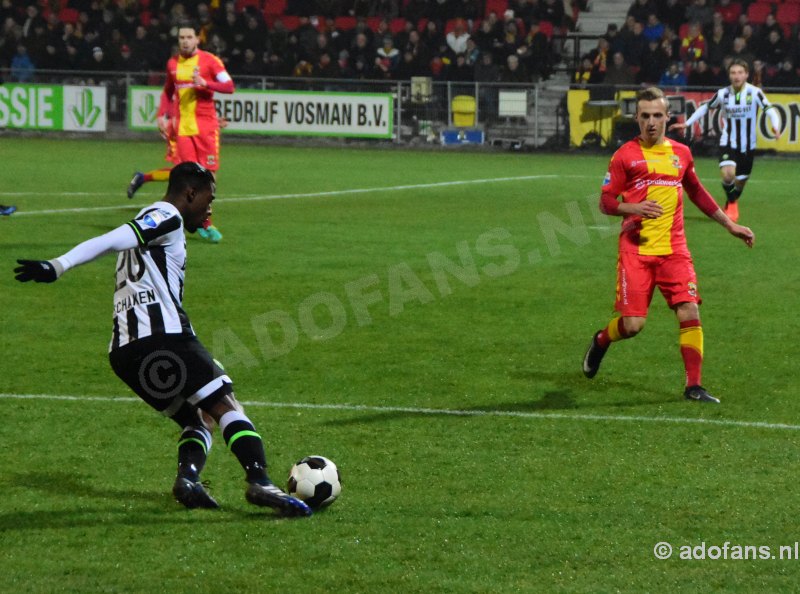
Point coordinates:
pixel 739 112
pixel 149 279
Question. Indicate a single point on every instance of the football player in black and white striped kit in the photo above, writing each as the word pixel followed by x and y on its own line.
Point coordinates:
pixel 739 103
pixel 154 349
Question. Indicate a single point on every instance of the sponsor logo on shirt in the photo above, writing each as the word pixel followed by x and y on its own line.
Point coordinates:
pixel 155 218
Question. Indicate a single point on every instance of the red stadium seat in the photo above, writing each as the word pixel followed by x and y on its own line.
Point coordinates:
pixel 290 22
pixel 422 24
pixel 373 22
pixel 274 7
pixel 758 11
pixel 397 25
pixel 68 15
pixel 145 18
pixel 788 14
pixel 730 14
pixel 496 6
pixel 546 27
pixel 345 23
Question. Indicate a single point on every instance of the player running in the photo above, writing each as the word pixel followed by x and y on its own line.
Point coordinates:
pixel 187 118
pixel 651 173
pixel 737 143
pixel 154 349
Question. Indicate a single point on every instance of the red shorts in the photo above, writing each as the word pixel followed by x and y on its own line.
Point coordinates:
pixel 638 276
pixel 172 151
pixel 202 148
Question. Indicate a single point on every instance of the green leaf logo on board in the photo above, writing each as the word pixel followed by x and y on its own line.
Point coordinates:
pixel 85 112
pixel 149 110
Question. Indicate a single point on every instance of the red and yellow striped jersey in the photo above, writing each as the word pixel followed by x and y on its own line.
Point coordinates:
pixel 192 107
pixel 659 173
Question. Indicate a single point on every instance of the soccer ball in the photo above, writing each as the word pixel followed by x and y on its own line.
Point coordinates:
pixel 315 480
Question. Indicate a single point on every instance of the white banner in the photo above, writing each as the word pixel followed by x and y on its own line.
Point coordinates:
pixel 85 109
pixel 291 113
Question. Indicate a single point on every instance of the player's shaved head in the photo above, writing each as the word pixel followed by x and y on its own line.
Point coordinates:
pixel 188 175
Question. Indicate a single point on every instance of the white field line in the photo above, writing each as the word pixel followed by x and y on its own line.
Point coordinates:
pixel 447 412
pixel 260 197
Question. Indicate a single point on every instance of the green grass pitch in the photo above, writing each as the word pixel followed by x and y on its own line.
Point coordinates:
pixel 420 319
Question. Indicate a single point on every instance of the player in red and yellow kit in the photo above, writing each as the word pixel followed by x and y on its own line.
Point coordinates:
pixel 650 173
pixel 187 118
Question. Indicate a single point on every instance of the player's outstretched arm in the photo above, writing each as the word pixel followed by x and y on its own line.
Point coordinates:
pixel 740 231
pixel 46 271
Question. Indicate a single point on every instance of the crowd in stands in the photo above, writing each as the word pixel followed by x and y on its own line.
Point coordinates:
pixel 678 43
pixel 451 40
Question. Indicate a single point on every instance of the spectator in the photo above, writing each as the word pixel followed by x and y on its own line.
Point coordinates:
pixel 527 10
pixel 654 63
pixel 535 53
pixel 473 54
pixel 99 61
pixel 701 75
pixel 306 36
pixel 409 66
pixel 759 74
pixel 460 71
pixel 615 40
pixel 774 50
pixel 786 76
pixel 741 51
pixel 719 45
pixel 485 37
pixel 583 73
pixel 699 11
pixel 641 9
pixel 432 37
pixel 126 61
pixel 22 68
pixel 457 38
pixel 654 28
pixel 618 72
pixel 553 11
pixel 635 46
pixel 693 46
pixel 511 40
pixel 401 39
pixel 325 67
pixel 256 35
pixel 361 49
pixel 600 59
pixel 514 72
pixel 32 20
pixel 672 13
pixel 387 58
pixel 673 76
pixel 770 24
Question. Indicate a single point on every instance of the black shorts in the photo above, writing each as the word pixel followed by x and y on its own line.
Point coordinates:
pixel 173 373
pixel 742 161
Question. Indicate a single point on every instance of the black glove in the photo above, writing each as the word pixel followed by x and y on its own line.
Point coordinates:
pixel 40 271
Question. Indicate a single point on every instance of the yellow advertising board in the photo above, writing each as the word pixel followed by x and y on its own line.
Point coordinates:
pixel 587 119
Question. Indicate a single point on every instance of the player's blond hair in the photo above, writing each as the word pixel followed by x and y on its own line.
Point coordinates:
pixel 651 94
